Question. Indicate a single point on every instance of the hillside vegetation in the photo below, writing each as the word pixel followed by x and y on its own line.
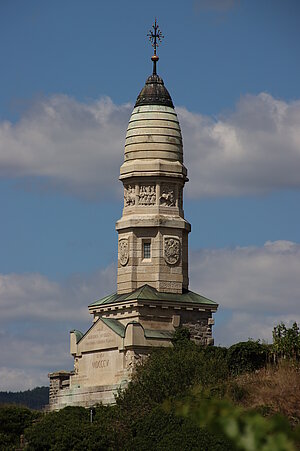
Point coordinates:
pixel 36 399
pixel 184 398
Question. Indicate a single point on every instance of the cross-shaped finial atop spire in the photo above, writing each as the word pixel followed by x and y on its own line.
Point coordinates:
pixel 155 38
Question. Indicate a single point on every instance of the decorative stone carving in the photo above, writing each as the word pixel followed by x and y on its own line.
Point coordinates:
pixel 76 366
pixel 133 359
pixel 169 285
pixel 129 195
pixel 167 196
pixel 172 250
pixel 147 195
pixel 123 251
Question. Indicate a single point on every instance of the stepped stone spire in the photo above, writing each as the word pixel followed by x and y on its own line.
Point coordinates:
pixel 153 234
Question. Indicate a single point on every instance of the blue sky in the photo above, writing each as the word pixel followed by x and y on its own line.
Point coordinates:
pixel 70 74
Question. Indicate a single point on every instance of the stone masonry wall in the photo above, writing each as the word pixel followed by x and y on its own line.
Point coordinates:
pixel 59 381
pixel 200 328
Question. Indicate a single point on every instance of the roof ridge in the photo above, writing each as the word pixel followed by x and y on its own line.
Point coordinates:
pixel 145 288
pixel 133 293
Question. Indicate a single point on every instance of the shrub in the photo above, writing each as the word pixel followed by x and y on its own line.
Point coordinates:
pixel 170 372
pixel 247 356
pixel 70 429
pixel 161 431
pixel 181 337
pixel 13 421
pixel 60 430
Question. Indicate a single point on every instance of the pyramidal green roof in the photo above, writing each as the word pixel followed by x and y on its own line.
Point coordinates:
pixel 147 293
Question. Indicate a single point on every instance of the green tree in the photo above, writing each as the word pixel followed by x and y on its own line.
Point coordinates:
pixel 181 337
pixel 161 430
pixel 70 429
pixel 170 372
pixel 247 356
pixel 13 421
pixel 286 342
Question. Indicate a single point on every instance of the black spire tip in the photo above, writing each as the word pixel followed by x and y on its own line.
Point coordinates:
pixel 154 92
pixel 155 37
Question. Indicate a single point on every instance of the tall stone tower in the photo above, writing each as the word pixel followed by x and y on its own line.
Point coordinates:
pixel 152 297
pixel 153 234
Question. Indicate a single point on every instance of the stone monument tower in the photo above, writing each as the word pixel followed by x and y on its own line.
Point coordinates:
pixel 153 234
pixel 152 297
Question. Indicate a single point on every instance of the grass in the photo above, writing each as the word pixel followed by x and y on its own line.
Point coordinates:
pixel 271 390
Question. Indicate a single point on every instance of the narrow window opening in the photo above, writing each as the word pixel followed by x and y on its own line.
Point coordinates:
pixel 147 250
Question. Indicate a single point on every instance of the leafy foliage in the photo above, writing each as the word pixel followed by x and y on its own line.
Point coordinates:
pixel 58 430
pixel 247 356
pixel 70 428
pixel 170 373
pixel 13 421
pixel 286 342
pixel 207 420
pixel 160 431
pixel 247 430
pixel 181 336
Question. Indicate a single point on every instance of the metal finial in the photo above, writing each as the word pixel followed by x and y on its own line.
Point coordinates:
pixel 155 37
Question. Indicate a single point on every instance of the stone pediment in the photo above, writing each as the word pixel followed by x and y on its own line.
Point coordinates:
pixel 99 337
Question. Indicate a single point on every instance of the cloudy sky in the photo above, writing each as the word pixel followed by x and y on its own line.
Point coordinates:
pixel 70 74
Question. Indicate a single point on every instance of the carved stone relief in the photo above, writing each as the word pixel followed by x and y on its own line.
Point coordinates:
pixel 169 285
pixel 129 195
pixel 147 195
pixel 76 366
pixel 132 360
pixel 172 250
pixel 123 251
pixel 167 196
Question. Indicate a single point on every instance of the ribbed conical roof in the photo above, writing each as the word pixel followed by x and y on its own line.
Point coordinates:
pixel 153 131
pixel 154 93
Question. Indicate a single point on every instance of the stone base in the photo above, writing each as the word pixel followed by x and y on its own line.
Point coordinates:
pixel 125 330
pixel 84 397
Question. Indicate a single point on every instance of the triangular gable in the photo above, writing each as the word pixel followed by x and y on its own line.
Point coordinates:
pixel 100 336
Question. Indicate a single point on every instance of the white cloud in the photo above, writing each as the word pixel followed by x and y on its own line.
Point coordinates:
pixel 255 149
pixel 243 325
pixel 75 147
pixel 66 145
pixel 34 296
pixel 21 379
pixel 36 317
pixel 256 287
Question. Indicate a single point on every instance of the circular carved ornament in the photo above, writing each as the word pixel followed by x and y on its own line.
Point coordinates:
pixel 123 251
pixel 172 250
